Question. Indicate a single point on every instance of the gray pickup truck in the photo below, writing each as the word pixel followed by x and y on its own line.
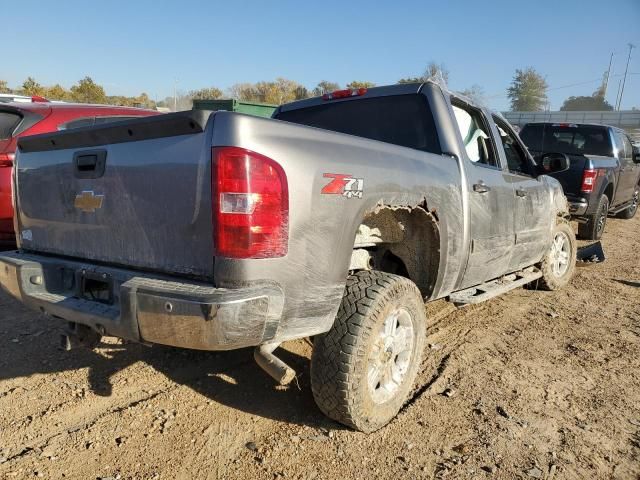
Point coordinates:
pixel 336 220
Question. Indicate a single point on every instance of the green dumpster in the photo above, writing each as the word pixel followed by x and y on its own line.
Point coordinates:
pixel 230 105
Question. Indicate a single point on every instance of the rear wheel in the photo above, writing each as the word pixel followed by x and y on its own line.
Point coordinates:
pixel 594 226
pixel 559 263
pixel 629 213
pixel 363 369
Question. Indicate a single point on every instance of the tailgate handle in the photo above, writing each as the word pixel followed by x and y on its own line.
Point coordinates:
pixel 89 164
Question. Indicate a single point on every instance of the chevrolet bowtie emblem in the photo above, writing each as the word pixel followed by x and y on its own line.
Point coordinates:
pixel 88 201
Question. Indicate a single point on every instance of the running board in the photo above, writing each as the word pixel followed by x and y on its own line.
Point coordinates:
pixel 494 288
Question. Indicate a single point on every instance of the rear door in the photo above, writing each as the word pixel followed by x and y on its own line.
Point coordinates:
pixel 491 199
pixel 628 169
pixel 532 216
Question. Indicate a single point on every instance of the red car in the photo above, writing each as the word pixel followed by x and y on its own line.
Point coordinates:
pixel 18 119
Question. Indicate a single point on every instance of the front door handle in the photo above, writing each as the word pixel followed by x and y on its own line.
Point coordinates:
pixel 481 187
pixel 521 193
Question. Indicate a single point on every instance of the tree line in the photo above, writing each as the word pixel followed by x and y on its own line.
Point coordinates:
pixel 526 92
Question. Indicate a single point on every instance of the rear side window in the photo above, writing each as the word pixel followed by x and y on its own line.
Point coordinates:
pixel 404 120
pixel 567 138
pixel 8 123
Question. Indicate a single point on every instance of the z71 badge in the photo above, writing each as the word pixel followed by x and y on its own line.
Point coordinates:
pixel 343 184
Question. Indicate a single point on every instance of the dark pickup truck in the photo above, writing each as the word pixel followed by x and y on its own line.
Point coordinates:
pixel 604 176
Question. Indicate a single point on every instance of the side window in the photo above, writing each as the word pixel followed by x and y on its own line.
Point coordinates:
pixel 475 135
pixel 628 148
pixel 517 161
pixel 619 144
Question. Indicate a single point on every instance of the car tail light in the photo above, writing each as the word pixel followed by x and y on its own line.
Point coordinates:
pixel 589 180
pixel 250 204
pixel 6 159
pixel 349 92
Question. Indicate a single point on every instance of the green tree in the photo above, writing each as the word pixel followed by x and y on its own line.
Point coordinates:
pixel 434 71
pixel 358 84
pixel 325 87
pixel 4 87
pixel 210 93
pixel 31 87
pixel 243 91
pixel 87 91
pixel 589 103
pixel 301 92
pixel 528 91
pixel 57 92
pixel 476 93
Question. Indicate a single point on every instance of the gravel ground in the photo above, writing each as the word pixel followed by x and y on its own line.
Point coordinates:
pixel 531 385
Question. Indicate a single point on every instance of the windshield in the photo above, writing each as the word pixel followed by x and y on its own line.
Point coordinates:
pixel 571 139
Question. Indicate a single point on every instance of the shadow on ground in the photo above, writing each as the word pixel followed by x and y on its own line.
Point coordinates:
pixel 30 346
pixel 627 283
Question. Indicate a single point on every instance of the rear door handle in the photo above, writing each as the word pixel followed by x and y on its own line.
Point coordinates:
pixel 481 187
pixel 521 193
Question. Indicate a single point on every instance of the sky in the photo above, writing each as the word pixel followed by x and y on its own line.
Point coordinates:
pixel 153 46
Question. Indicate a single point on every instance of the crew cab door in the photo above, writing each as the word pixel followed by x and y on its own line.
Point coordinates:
pixel 533 217
pixel 491 199
pixel 628 178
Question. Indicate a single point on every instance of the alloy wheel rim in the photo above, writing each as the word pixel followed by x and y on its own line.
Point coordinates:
pixel 390 357
pixel 635 200
pixel 560 250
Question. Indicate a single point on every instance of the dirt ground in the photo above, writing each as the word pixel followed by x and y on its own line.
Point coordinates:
pixel 538 385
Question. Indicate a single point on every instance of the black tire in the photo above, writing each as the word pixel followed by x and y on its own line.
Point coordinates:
pixel 345 359
pixel 552 277
pixel 594 226
pixel 629 213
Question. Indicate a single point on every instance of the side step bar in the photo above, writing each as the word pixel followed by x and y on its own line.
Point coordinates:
pixel 494 288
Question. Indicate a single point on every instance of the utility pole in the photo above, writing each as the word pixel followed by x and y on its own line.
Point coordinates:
pixel 606 81
pixel 175 95
pixel 624 79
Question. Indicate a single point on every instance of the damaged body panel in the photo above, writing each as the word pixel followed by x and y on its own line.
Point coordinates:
pixel 432 195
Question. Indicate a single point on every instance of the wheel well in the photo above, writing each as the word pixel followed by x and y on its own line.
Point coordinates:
pixel 404 241
pixel 609 192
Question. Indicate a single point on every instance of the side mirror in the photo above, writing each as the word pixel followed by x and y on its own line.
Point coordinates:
pixel 554 163
pixel 636 154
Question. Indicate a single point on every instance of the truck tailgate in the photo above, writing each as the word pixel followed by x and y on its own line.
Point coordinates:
pixel 129 193
pixel 571 179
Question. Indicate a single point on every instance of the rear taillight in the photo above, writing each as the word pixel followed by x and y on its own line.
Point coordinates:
pixel 250 204
pixel 589 180
pixel 6 159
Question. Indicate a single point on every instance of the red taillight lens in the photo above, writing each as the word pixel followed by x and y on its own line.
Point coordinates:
pixel 250 204
pixel 349 92
pixel 6 159
pixel 589 180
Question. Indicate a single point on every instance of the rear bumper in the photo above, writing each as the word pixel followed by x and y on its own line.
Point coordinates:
pixel 578 208
pixel 144 307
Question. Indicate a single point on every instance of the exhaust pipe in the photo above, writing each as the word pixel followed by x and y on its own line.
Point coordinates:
pixel 276 368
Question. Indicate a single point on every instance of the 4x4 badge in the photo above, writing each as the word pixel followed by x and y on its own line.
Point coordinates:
pixel 88 202
pixel 343 184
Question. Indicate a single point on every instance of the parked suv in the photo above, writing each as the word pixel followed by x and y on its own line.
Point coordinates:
pixel 604 176
pixel 18 119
